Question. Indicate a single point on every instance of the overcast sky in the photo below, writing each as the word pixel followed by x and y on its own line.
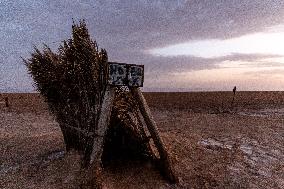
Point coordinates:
pixel 185 45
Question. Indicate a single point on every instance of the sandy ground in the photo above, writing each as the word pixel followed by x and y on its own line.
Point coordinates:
pixel 213 143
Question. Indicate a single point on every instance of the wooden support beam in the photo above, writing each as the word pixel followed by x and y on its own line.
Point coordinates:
pixel 103 124
pixel 93 174
pixel 166 164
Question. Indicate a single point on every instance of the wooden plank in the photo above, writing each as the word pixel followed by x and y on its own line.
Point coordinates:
pixel 166 164
pixel 92 176
pixel 102 125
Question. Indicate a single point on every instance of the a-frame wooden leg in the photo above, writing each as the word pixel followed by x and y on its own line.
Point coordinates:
pixel 95 170
pixel 166 164
pixel 103 124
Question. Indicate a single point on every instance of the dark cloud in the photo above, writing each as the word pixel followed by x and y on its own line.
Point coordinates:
pixel 128 28
pixel 144 24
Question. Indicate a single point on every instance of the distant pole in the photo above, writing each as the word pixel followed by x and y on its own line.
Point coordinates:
pixel 6 102
pixel 234 91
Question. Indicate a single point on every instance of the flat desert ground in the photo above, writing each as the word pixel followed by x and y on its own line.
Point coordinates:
pixel 212 142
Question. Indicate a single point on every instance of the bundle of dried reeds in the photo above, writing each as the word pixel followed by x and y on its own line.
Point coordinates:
pixel 73 83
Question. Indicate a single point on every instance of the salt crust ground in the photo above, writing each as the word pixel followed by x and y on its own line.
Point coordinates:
pixel 213 143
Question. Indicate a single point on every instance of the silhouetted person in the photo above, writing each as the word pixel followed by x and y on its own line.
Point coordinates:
pixel 234 90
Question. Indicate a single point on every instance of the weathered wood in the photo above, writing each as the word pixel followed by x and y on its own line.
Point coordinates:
pixel 121 74
pixel 165 161
pixel 102 125
pixel 92 175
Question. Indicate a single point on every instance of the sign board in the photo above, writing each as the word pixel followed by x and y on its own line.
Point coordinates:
pixel 121 74
pixel 117 74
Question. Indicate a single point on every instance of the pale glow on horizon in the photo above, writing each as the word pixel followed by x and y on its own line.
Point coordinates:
pixel 258 43
pixel 227 77
pixel 274 60
pixel 242 74
pixel 263 72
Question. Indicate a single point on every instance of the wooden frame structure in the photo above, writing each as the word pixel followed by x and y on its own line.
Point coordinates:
pixel 89 98
pixel 165 163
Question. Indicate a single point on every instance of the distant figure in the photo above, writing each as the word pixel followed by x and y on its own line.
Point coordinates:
pixel 234 90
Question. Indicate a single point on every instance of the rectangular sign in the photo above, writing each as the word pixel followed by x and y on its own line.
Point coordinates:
pixel 121 74
pixel 135 76
pixel 117 74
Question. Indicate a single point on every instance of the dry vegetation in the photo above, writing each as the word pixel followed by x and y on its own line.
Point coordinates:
pixel 73 83
pixel 213 145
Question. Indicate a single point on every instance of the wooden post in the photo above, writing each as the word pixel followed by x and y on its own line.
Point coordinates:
pixel 103 124
pixel 166 164
pixel 94 172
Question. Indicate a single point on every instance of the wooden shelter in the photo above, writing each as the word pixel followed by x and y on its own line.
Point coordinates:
pixel 98 105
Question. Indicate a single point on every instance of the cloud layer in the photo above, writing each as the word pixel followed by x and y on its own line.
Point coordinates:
pixel 127 29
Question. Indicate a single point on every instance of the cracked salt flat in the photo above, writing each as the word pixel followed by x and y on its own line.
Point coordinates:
pixel 260 158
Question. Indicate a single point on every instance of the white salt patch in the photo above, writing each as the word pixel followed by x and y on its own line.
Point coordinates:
pixel 246 149
pixel 210 142
pixel 214 143
pixel 264 112
pixel 5 168
pixel 276 152
pixel 264 172
pixel 228 146
pixel 254 158
pixel 56 155
pixel 235 169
